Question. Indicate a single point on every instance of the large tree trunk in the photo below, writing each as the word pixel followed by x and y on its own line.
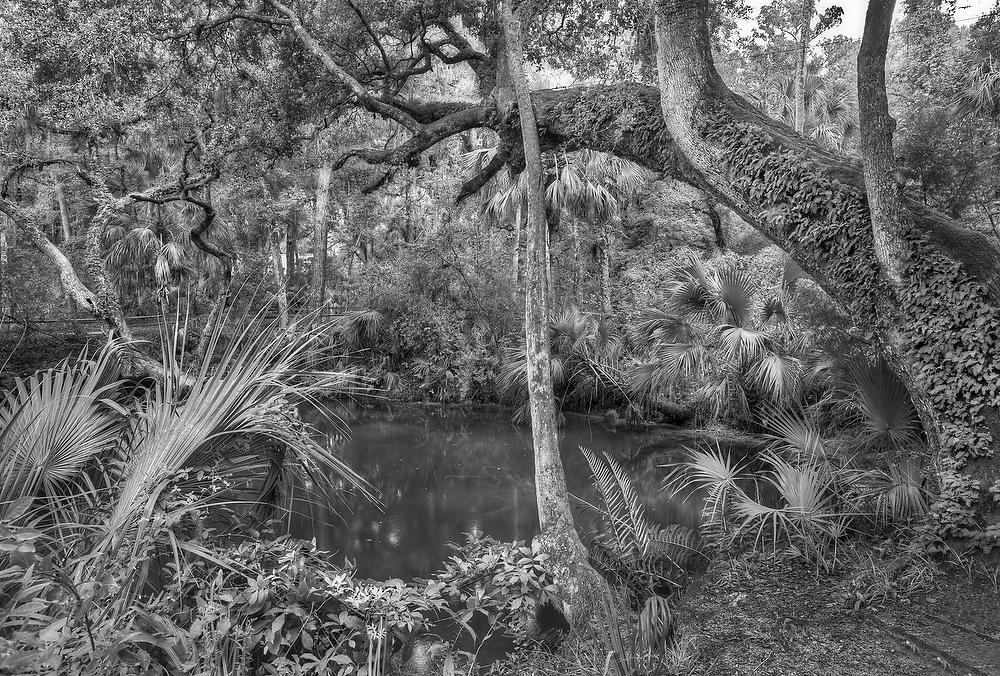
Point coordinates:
pixel 813 204
pixel 889 220
pixel 578 581
pixel 320 228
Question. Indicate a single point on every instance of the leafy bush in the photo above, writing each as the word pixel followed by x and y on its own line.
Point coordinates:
pixel 250 606
pixel 720 342
pixel 799 497
pixel 588 364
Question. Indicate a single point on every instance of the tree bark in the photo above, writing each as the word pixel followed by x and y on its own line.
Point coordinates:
pixel 576 260
pixel 517 246
pixel 716 219
pixel 5 309
pixel 134 362
pixel 67 230
pixel 550 280
pixel 813 204
pixel 604 252
pixel 805 20
pixel 71 283
pixel 320 229
pixel 279 260
pixel 559 539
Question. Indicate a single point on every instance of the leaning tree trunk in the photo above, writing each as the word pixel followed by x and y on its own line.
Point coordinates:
pixel 320 228
pixel 813 204
pixel 579 583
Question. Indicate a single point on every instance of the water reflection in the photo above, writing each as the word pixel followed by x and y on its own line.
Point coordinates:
pixel 443 472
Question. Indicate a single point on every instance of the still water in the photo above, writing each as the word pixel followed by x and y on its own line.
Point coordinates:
pixel 443 472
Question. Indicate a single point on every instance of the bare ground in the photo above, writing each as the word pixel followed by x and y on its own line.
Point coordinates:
pixel 768 618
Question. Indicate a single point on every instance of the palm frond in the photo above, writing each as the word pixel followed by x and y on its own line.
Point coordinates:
pixel 888 416
pixel 792 432
pixel 55 422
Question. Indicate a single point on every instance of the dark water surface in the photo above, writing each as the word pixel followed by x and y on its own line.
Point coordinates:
pixel 446 471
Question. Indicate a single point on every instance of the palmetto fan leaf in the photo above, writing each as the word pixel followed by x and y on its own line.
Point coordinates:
pixel 623 507
pixel 655 326
pixel 793 433
pixel 888 416
pixel 806 517
pixel 723 397
pixel 671 363
pixel 898 493
pixel 712 471
pixel 778 376
pixel 54 423
pixel 732 295
pixel 742 344
pixel 360 329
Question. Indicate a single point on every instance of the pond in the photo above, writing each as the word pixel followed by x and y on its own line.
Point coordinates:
pixel 446 471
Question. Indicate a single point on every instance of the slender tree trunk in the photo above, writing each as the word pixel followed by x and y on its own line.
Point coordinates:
pixel 279 240
pixel 805 33
pixel 814 205
pixel 67 230
pixel 604 253
pixel 289 247
pixel 716 219
pixel 550 285
pixel 320 230
pixel 5 309
pixel 876 128
pixel 889 220
pixel 576 261
pixel 579 584
pixel 517 246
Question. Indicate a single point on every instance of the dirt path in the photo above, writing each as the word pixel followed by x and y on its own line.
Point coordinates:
pixel 756 618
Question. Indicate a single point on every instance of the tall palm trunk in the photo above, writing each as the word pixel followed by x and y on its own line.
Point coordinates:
pixel 320 230
pixel 581 587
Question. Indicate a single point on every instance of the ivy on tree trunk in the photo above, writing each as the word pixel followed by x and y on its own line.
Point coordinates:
pixel 943 327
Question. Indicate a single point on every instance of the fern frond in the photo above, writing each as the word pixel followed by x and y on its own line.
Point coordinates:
pixel 631 510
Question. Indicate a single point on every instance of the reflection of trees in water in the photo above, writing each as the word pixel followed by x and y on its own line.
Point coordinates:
pixel 441 473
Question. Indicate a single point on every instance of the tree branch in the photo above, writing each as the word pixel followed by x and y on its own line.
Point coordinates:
pixel 364 97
